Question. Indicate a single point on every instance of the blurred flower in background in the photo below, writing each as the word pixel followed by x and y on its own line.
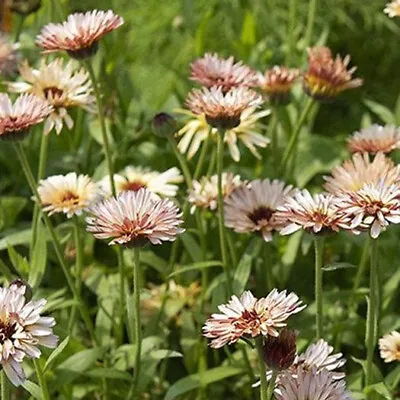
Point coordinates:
pixel 8 57
pixel 389 346
pixel 392 9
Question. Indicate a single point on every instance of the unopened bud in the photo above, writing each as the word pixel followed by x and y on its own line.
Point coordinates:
pixel 19 283
pixel 280 352
pixel 164 125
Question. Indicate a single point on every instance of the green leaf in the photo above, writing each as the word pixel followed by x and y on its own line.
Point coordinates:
pixel 16 239
pixel 57 351
pixel 379 388
pixel 5 271
pixel 338 265
pixel 392 380
pixel 33 389
pixel 163 353
pixel 109 373
pixel 196 266
pixel 10 208
pixel 39 259
pixel 248 36
pixel 376 374
pixel 192 247
pixel 381 111
pixel 19 262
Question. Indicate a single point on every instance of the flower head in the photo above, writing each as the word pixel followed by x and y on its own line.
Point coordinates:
pixel 327 76
pixel 375 139
pixel 280 351
pixel 8 57
pixel 163 124
pixel 135 178
pixel 69 194
pixel 205 192
pixel 250 317
pixel 222 110
pixel 79 34
pixel 355 173
pixel 212 70
pixel 316 213
pixel 22 328
pixel 389 346
pixel 392 9
pixel 135 218
pixel 61 85
pixel 17 118
pixel 252 208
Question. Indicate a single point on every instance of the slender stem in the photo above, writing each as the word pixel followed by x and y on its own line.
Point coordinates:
pixel 5 393
pixel 263 369
pixel 211 166
pixel 204 151
pixel 360 271
pixel 79 254
pixel 371 316
pixel 271 386
pixel 319 254
pixel 272 132
pixel 20 25
pixel 42 380
pixel 182 162
pixel 312 8
pixel 221 226
pixel 121 269
pixel 290 31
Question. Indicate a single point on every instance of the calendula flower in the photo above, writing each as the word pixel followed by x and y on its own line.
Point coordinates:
pixel 222 110
pixel 252 208
pixel 212 70
pixel 375 139
pixel 69 194
pixel 204 193
pixel 135 218
pixel 327 76
pixel 8 57
pixel 63 86
pixel 250 317
pixel 392 9
pixel 16 119
pixel 372 208
pixel 22 329
pixel 196 131
pixel 355 173
pixel 277 83
pixel 79 34
pixel 389 346
pixel 135 178
pixel 316 213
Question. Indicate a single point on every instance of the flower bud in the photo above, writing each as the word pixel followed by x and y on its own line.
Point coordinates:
pixel 164 125
pixel 21 283
pixel 25 7
pixel 280 352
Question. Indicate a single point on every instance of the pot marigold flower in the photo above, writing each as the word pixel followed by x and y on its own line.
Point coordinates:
pixel 375 139
pixel 327 76
pixel 212 70
pixel 8 57
pixel 16 119
pixel 252 208
pixel 222 110
pixel 22 329
pixel 134 219
pixel 135 178
pixel 79 34
pixel 69 194
pixel 389 346
pixel 392 9
pixel 250 317
pixel 62 86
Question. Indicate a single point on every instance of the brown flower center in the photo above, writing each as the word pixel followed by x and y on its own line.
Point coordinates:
pixel 69 196
pixel 7 329
pixel 261 213
pixel 133 185
pixel 53 92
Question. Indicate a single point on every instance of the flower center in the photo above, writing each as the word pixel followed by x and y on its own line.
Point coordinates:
pixel 69 196
pixel 53 92
pixel 133 185
pixel 7 329
pixel 261 213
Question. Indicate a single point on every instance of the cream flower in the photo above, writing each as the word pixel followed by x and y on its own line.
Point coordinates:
pixel 63 86
pixel 8 57
pixel 389 346
pixel 392 9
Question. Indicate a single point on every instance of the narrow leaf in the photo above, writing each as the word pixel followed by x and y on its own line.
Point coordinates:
pixel 196 266
pixel 56 353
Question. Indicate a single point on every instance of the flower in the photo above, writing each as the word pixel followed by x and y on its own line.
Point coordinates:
pixel 79 34
pixel 22 328
pixel 17 118
pixel 62 86
pixel 248 316
pixel 163 124
pixel 196 131
pixel 375 139
pixel 389 346
pixel 372 208
pixel 327 76
pixel 355 173
pixel 212 70
pixel 277 82
pixel 8 57
pixel 311 385
pixel 392 9
pixel 205 192
pixel 222 110
pixel 70 194
pixel 135 178
pixel 252 208
pixel 134 219
pixel 316 213
pixel 280 351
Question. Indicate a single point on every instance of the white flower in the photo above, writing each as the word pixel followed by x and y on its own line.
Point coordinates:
pixel 392 9
pixel 389 346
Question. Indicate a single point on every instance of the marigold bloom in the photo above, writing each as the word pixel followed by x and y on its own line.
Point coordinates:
pixel 252 208
pixel 79 34
pixel 205 192
pixel 327 76
pixel 17 118
pixel 316 213
pixel 389 346
pixel 22 329
pixel 392 9
pixel 375 139
pixel 69 194
pixel 222 110
pixel 355 173
pixel 211 70
pixel 250 317
pixel 8 57
pixel 134 219
pixel 63 86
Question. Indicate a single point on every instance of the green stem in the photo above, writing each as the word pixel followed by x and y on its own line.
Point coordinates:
pixel 312 8
pixel 211 166
pixel 5 394
pixel 360 271
pixel 319 254
pixel 20 25
pixel 272 132
pixel 42 380
pixel 263 370
pixel 290 31
pixel 271 385
pixel 182 162
pixel 121 269
pixel 221 226
pixel 204 151
pixel 372 310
